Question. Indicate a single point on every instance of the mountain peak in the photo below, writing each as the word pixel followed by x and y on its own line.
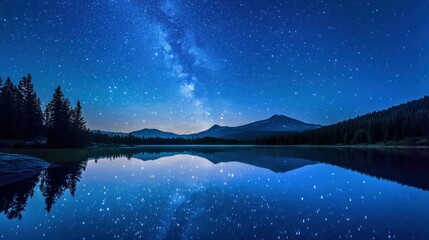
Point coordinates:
pixel 215 126
pixel 153 132
pixel 277 116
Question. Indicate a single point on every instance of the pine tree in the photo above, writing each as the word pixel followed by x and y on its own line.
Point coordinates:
pixel 10 108
pixel 78 126
pixel 58 119
pixel 32 116
pixel 1 105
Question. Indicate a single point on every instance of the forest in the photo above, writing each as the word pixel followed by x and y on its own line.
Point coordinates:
pixel 405 124
pixel 22 117
pixel 98 137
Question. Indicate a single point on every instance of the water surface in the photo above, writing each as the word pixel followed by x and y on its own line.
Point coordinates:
pixel 190 192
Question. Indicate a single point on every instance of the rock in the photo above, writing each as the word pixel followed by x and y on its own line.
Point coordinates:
pixel 17 167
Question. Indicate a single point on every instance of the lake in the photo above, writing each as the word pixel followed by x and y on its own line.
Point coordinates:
pixel 220 192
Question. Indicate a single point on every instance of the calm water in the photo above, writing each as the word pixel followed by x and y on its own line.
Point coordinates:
pixel 221 193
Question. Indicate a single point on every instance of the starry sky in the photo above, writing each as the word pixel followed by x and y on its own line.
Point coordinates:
pixel 184 65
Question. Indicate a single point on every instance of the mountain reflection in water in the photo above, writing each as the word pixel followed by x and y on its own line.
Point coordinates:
pixel 407 167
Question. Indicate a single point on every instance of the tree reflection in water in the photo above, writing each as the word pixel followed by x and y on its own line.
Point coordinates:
pixel 407 167
pixel 53 183
pixel 13 197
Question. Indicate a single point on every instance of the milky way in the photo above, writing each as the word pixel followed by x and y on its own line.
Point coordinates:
pixel 180 52
pixel 184 65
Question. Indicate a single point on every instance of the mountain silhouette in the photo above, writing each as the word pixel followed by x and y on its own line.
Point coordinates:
pixel 153 133
pixel 277 124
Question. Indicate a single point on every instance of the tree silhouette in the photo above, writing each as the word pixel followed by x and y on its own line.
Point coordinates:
pixel 58 119
pixel 31 116
pixel 10 109
pixel 2 120
pixel 79 129
pixel 22 116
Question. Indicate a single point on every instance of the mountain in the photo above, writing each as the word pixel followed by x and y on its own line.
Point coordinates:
pixel 146 132
pixel 154 133
pixel 404 124
pixel 277 124
pixel 272 159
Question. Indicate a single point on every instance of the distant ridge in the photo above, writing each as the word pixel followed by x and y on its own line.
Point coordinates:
pixel 276 124
pixel 154 133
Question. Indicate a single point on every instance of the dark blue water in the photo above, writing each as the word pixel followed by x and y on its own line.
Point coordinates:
pixel 197 195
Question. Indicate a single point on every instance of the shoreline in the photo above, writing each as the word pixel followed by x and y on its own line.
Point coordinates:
pixel 123 146
pixel 363 146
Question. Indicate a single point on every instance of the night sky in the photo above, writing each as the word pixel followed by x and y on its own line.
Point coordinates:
pixel 184 65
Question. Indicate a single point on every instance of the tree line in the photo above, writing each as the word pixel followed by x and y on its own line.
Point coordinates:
pixel 22 118
pixel 21 115
pixel 129 139
pixel 407 123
